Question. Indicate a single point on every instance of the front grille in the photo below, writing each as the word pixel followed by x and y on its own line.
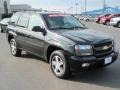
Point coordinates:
pixel 103 49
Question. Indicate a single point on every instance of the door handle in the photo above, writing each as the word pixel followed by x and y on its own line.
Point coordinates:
pixel 30 36
pixel 27 35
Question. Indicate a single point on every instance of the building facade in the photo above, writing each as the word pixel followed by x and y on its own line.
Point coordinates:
pixel 4 7
pixel 20 7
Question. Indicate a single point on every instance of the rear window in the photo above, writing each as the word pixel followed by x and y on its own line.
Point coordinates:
pixel 23 21
pixel 15 18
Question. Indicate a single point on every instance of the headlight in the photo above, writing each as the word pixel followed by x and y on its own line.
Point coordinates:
pixel 83 50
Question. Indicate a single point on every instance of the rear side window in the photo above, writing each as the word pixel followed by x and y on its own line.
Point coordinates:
pixel 23 21
pixel 15 18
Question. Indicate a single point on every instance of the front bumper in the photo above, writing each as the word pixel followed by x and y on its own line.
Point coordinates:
pixel 77 62
pixel 102 21
pixel 96 19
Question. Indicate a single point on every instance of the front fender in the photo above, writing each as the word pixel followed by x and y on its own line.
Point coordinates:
pixel 68 48
pixel 12 33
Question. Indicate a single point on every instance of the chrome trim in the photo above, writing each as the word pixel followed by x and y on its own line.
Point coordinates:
pixel 106 47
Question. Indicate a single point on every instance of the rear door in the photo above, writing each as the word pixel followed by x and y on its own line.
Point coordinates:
pixel 12 29
pixel 21 28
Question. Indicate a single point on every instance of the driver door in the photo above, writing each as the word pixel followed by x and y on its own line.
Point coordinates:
pixel 35 40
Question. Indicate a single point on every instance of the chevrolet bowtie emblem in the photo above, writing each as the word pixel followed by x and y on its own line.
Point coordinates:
pixel 105 47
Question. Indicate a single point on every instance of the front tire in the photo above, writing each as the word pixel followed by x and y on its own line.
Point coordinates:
pixel 59 64
pixel 107 23
pixel 13 48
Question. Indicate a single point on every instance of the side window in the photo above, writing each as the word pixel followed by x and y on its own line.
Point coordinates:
pixel 35 20
pixel 15 18
pixel 23 21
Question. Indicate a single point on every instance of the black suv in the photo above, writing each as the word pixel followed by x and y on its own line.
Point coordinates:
pixel 61 40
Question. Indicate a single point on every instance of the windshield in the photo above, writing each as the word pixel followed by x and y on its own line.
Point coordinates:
pixel 58 21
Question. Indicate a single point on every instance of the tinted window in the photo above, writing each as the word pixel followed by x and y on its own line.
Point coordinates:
pixel 35 20
pixel 23 21
pixel 59 21
pixel 15 18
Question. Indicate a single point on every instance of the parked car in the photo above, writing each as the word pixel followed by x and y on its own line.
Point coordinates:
pixel 4 24
pixel 88 18
pixel 106 20
pixel 97 19
pixel 81 17
pixel 76 16
pixel 61 40
pixel 115 22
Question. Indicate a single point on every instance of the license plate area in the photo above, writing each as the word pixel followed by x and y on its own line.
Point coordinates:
pixel 108 60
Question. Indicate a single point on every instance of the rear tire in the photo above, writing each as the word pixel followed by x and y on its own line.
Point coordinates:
pixel 13 48
pixel 1 29
pixel 59 64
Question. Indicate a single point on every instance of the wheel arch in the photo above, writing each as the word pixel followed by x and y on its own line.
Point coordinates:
pixel 51 49
pixel 10 37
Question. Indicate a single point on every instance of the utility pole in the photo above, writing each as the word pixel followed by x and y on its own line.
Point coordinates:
pixel 104 5
pixel 85 6
pixel 70 9
pixel 76 4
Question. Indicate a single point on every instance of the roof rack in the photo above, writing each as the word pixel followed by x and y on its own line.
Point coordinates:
pixel 38 10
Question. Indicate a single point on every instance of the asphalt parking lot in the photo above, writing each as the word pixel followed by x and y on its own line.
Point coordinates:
pixel 31 73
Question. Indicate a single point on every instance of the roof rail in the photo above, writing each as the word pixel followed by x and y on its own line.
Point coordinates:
pixel 38 10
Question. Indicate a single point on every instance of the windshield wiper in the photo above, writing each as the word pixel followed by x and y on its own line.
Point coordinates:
pixel 77 27
pixel 59 28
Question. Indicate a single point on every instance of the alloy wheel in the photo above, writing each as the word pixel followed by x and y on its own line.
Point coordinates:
pixel 13 47
pixel 58 65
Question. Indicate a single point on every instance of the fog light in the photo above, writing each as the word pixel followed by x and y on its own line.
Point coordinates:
pixel 85 65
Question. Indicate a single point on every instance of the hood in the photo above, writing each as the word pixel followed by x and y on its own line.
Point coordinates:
pixel 86 36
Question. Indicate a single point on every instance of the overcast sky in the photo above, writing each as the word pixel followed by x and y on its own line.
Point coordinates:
pixel 63 5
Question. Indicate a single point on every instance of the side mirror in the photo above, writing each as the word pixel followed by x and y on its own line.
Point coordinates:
pixel 39 29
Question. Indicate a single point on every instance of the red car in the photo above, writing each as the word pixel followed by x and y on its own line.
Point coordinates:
pixel 106 20
pixel 97 19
